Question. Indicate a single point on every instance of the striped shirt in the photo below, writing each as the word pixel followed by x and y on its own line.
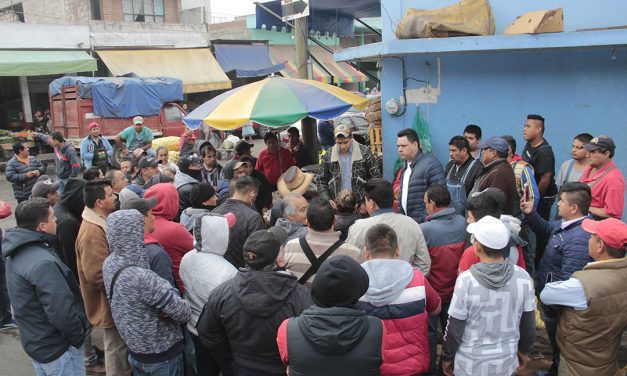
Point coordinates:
pixel 319 242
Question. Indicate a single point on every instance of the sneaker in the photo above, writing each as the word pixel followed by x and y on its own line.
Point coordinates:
pixel 8 326
pixel 96 369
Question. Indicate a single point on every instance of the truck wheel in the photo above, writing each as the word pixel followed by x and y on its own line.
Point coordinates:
pixel 262 130
pixel 117 157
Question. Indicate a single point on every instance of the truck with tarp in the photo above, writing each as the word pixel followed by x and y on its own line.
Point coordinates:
pixel 112 102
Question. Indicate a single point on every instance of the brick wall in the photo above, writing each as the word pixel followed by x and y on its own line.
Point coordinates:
pixel 112 10
pixel 172 10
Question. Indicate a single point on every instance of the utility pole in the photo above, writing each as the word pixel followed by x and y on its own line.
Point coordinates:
pixel 308 125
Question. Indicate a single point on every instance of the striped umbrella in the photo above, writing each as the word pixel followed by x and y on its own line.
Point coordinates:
pixel 274 102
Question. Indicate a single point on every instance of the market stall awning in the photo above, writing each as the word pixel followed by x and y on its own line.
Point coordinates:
pixel 339 72
pixel 246 60
pixel 196 67
pixel 39 63
pixel 326 16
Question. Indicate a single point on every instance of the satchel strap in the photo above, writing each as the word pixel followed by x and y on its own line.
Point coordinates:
pixel 115 278
pixel 315 261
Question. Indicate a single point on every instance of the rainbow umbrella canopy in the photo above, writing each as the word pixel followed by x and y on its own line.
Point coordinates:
pixel 274 102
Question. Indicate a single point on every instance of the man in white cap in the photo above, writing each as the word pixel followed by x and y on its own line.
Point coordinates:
pixel 492 313
pixel 136 139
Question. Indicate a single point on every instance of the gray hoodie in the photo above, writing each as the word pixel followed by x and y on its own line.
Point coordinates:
pixel 388 279
pixel 146 309
pixel 294 229
pixel 204 268
pixel 492 275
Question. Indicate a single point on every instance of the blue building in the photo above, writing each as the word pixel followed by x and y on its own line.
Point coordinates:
pixel 576 79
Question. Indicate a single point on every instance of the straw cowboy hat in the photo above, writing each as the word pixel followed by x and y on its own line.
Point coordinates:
pixel 294 180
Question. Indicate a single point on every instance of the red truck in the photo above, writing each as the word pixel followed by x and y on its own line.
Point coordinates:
pixel 70 114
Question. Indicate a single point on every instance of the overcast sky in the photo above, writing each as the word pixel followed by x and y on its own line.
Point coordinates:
pixel 231 8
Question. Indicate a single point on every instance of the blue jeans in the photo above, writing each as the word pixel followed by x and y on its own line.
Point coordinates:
pixel 5 304
pixel 70 363
pixel 170 367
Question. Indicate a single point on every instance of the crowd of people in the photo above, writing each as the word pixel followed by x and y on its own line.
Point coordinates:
pixel 256 267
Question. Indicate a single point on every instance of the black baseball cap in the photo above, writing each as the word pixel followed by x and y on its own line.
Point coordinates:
pixel 147 162
pixel 142 205
pixel 601 142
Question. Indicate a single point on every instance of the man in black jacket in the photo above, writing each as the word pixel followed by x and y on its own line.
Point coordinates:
pixel 46 299
pixel 242 316
pixel 247 220
pixel 333 337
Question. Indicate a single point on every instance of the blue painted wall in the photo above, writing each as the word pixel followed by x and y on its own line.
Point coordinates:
pixel 578 14
pixel 575 90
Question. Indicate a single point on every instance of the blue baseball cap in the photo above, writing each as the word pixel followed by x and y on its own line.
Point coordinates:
pixel 497 143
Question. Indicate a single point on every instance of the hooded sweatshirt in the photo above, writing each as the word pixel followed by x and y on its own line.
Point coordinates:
pixel 146 309
pixel 293 229
pixel 204 267
pixel 69 210
pixel 174 238
pixel 401 297
pixel 44 294
pixel 184 182
pixel 252 299
pixel 499 293
pixel 66 163
pixel 190 215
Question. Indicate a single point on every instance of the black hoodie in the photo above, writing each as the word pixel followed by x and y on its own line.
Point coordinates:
pixel 243 315
pixel 45 296
pixel 69 212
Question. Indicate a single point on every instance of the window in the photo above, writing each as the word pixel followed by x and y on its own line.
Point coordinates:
pixel 361 122
pixel 96 13
pixel 172 113
pixel 143 10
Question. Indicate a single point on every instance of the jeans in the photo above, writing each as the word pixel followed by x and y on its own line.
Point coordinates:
pixel 550 324
pixel 5 304
pixel 433 336
pixel 189 354
pixel 206 365
pixel 170 367
pixel 70 363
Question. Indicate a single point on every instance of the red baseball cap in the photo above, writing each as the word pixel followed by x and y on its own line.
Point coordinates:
pixel 93 125
pixel 612 231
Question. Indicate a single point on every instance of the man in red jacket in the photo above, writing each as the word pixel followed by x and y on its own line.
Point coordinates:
pixel 174 238
pixel 403 299
pixel 274 160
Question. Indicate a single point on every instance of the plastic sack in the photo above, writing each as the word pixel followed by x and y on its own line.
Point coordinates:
pixel 467 17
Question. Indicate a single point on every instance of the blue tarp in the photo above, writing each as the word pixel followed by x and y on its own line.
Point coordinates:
pixel 123 97
pixel 246 60
pixel 325 16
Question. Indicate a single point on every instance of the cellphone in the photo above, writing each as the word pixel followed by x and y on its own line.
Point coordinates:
pixel 526 192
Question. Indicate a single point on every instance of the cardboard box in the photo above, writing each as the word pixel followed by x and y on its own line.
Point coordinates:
pixel 540 21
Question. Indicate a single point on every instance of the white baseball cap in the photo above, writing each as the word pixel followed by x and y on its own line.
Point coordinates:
pixel 490 232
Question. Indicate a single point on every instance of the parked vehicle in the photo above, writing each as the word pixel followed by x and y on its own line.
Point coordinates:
pixel 72 112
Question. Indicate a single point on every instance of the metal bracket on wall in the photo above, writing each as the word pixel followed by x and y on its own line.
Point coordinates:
pixel 425 94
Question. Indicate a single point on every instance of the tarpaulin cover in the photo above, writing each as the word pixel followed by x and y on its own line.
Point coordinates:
pixel 196 67
pixel 37 63
pixel 340 72
pixel 325 16
pixel 123 97
pixel 246 60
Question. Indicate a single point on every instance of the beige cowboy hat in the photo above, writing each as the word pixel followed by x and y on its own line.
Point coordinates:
pixel 294 180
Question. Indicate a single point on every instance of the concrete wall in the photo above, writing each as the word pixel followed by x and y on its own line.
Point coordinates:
pixel 575 90
pixel 39 36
